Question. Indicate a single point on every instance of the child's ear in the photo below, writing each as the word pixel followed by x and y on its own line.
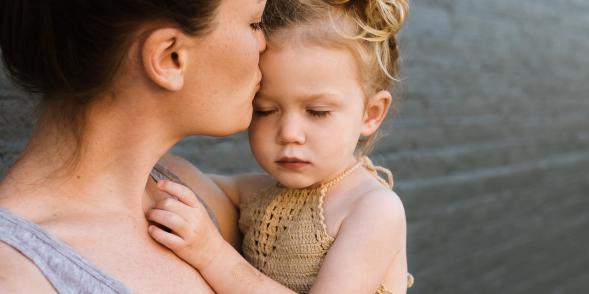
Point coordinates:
pixel 164 56
pixel 375 112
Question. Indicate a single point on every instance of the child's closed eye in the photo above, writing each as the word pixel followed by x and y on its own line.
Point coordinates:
pixel 263 112
pixel 318 113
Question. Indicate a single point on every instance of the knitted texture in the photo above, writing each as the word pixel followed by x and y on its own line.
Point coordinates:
pixel 285 236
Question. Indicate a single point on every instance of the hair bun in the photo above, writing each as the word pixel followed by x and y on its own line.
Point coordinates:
pixel 378 19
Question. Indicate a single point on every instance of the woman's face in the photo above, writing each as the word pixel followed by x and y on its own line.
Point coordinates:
pixel 224 71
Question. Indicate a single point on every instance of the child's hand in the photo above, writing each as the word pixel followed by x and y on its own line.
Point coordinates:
pixel 193 235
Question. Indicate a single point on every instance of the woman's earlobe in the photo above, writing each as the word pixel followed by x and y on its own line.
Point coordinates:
pixel 164 58
pixel 175 72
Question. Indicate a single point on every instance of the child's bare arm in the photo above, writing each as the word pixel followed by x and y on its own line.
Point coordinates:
pixel 195 239
pixel 369 243
pixel 241 187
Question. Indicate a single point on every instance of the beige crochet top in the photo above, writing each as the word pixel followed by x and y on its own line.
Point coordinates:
pixel 285 235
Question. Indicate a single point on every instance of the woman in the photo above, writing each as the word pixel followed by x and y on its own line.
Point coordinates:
pixel 122 82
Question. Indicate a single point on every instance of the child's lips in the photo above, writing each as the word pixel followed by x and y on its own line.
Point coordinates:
pixel 292 163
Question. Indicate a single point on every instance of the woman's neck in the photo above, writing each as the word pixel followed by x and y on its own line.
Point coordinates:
pixel 119 149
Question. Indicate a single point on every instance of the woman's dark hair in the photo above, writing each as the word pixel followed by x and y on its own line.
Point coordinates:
pixel 68 51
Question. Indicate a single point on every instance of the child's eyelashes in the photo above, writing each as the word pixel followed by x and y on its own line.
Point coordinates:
pixel 263 112
pixel 318 113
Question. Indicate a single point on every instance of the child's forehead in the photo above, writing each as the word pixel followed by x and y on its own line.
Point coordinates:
pixel 308 74
pixel 308 59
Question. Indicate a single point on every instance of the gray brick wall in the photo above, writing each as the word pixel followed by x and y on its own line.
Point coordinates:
pixel 490 148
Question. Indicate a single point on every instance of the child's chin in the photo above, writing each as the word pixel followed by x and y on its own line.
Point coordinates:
pixel 295 184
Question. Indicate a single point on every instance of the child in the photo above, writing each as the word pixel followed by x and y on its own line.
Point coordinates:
pixel 324 222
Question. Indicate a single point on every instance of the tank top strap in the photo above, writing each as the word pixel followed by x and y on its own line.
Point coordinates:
pixel 66 270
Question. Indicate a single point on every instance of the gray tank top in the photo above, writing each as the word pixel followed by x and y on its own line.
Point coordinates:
pixel 66 270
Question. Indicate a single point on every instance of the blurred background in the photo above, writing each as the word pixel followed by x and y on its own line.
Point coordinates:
pixel 490 148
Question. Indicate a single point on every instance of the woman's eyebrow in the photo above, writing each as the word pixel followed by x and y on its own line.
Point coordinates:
pixel 259 11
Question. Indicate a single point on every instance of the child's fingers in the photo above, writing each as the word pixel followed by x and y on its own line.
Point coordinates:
pixel 167 239
pixel 175 206
pixel 183 193
pixel 168 219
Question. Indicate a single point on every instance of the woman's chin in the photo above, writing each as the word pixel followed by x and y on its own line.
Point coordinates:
pixel 227 129
pixel 226 132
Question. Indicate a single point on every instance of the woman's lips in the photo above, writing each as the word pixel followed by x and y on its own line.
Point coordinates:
pixel 292 163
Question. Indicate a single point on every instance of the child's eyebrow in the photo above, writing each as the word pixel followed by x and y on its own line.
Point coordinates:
pixel 327 98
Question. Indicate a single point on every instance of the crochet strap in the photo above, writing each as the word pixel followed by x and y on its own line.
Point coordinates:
pixel 366 163
pixel 374 169
pixel 332 182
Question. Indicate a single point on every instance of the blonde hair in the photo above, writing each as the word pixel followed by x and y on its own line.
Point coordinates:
pixel 367 28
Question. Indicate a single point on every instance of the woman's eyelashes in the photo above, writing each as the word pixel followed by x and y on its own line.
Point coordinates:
pixel 256 26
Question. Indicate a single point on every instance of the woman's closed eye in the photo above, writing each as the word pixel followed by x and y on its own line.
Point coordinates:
pixel 256 26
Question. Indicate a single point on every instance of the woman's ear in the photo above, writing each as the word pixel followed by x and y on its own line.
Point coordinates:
pixel 375 112
pixel 164 58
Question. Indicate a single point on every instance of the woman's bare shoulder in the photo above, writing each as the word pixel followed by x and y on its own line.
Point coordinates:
pixel 19 275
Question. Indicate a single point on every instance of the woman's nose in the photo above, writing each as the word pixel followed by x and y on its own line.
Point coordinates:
pixel 290 131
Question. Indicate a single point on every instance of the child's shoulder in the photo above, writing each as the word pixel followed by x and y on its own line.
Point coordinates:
pixel 375 218
pixel 377 205
pixel 380 200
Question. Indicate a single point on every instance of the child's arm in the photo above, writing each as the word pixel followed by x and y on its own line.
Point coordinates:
pixel 241 187
pixel 221 193
pixel 370 242
pixel 210 193
pixel 195 239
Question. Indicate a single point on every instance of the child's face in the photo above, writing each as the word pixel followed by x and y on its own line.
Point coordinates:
pixel 308 115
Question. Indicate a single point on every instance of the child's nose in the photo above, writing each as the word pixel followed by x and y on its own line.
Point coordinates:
pixel 290 131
